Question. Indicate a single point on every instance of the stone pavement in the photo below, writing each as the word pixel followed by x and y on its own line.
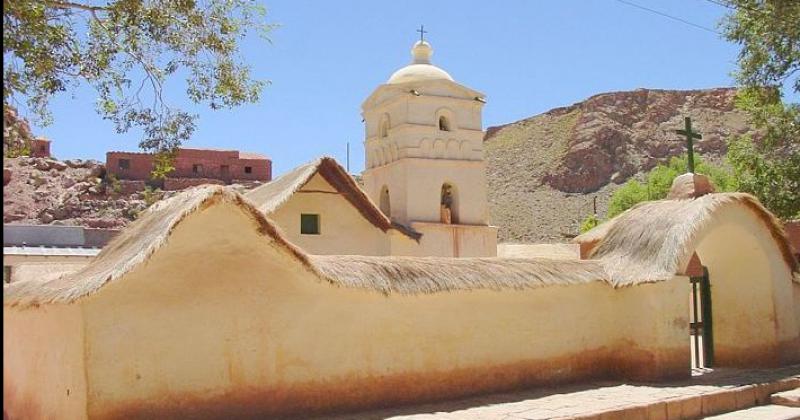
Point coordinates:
pixel 712 392
pixel 764 412
pixel 787 398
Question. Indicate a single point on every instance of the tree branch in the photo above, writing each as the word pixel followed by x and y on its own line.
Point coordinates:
pixel 72 5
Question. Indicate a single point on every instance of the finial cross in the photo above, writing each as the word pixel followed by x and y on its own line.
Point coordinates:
pixel 690 136
pixel 422 32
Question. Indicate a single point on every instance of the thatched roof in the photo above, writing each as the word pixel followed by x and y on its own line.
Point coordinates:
pixel 415 275
pixel 269 197
pixel 645 244
pixel 405 275
pixel 656 239
pixel 135 245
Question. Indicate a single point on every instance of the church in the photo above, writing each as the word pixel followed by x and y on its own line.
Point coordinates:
pixel 314 294
pixel 424 170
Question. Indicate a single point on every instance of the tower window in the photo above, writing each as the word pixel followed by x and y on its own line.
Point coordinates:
pixel 448 205
pixel 444 125
pixel 386 206
pixel 124 163
pixel 309 224
pixel 384 129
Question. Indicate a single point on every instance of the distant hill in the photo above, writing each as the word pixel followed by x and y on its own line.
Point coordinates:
pixel 544 171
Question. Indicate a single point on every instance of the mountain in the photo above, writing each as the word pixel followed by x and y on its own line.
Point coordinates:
pixel 544 172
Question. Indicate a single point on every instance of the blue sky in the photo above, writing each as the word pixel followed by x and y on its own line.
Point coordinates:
pixel 526 56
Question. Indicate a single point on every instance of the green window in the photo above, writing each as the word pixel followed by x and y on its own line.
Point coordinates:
pixel 309 224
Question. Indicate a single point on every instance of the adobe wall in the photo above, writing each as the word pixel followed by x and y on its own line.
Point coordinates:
pixel 249 332
pixel 343 230
pixel 753 306
pixel 43 363
pixel 448 240
pixel 555 251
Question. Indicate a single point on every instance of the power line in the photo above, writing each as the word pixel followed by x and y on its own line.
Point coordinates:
pixel 684 21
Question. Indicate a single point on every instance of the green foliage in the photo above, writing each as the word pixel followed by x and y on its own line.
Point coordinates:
pixel 163 164
pixel 659 180
pixel 113 181
pixel 769 62
pixel 126 50
pixel 13 151
pixel 627 196
pixel 772 175
pixel 151 195
pixel 589 223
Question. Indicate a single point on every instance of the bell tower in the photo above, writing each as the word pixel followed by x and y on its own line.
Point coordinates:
pixel 424 148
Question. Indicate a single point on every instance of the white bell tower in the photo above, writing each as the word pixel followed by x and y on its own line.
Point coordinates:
pixel 424 154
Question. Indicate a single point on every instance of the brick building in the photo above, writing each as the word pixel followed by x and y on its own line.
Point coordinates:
pixel 194 166
pixel 40 147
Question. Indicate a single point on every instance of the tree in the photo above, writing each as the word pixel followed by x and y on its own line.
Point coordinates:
pixel 769 64
pixel 657 184
pixel 126 50
pixel 659 181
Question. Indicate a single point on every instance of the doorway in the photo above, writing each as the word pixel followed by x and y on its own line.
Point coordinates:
pixel 701 331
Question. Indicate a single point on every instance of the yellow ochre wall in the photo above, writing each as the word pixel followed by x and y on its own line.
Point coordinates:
pixel 754 312
pixel 43 363
pixel 343 229
pixel 246 330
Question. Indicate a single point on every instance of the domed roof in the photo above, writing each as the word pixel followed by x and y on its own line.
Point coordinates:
pixel 420 68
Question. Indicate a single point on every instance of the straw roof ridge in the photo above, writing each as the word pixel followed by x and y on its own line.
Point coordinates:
pixel 423 275
pixel 136 244
pixel 656 239
pixel 270 196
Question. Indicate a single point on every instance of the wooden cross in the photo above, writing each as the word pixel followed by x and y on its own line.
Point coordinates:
pixel 690 136
pixel 422 33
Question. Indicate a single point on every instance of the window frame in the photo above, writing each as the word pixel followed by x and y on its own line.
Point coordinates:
pixel 444 123
pixel 124 164
pixel 248 169
pixel 318 224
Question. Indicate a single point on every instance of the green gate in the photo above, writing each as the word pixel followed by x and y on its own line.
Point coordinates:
pixel 701 331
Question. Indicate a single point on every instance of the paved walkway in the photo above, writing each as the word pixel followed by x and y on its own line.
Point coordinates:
pixel 764 412
pixel 718 391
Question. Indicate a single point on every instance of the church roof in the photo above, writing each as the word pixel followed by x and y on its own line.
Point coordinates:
pixel 657 238
pixel 420 68
pixel 270 196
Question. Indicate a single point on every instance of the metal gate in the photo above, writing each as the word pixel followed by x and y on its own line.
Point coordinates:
pixel 701 332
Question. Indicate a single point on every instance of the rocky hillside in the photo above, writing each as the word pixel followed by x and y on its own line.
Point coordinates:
pixel 16 131
pixel 545 171
pixel 73 192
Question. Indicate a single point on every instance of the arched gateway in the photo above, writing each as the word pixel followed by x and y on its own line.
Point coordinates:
pixel 742 270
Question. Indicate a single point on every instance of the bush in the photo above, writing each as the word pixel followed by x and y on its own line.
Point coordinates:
pixel 589 223
pixel 657 185
pixel 151 195
pixel 659 181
